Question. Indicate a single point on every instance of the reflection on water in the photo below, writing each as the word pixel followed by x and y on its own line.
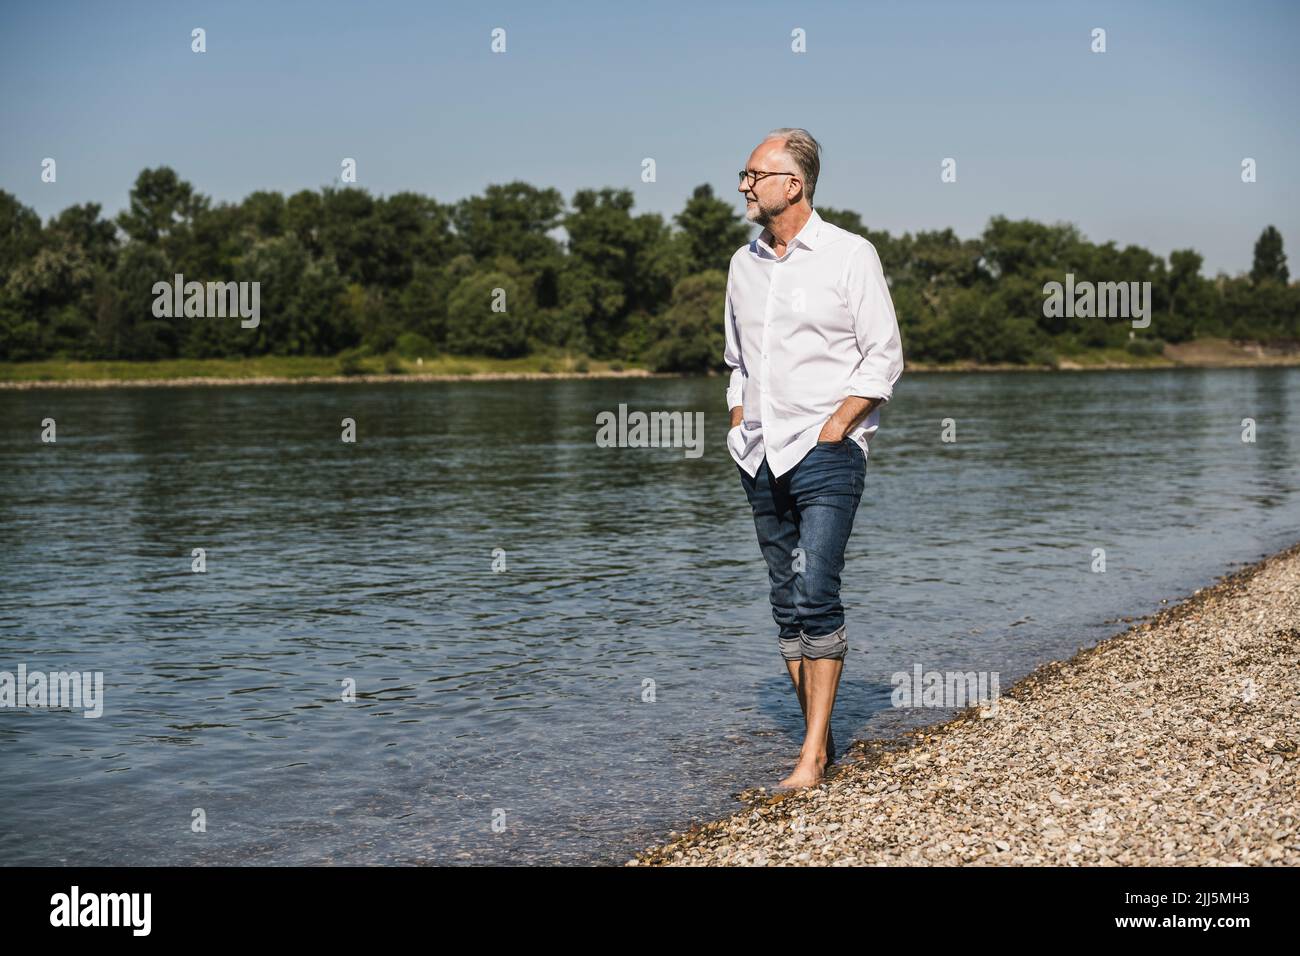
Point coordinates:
pixel 620 677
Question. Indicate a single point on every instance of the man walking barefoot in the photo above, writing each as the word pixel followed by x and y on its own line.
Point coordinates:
pixel 814 349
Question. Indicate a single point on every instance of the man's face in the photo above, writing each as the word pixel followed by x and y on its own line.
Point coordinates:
pixel 767 198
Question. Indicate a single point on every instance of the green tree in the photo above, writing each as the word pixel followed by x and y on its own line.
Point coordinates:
pixel 423 303
pixel 162 207
pixel 688 335
pixel 82 226
pixel 342 269
pixel 265 212
pixel 1270 260
pixel 486 315
pixel 712 230
pixel 618 264
pixel 1017 247
pixel 138 333
pixel 514 219
pixel 1191 297
pixel 20 234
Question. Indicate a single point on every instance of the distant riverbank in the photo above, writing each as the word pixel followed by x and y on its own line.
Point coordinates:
pixel 303 370
pixel 333 370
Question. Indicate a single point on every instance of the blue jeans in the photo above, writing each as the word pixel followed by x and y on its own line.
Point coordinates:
pixel 803 520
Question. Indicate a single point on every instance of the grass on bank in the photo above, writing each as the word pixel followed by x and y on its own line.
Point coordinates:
pixel 1200 352
pixel 298 366
pixel 1113 356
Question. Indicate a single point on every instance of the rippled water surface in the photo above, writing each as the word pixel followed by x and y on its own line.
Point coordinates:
pixel 620 677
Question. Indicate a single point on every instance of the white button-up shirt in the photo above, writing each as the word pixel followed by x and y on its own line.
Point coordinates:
pixel 803 332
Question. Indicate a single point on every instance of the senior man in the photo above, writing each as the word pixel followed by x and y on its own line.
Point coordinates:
pixel 814 349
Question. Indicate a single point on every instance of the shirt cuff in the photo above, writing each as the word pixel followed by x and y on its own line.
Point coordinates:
pixel 736 389
pixel 871 386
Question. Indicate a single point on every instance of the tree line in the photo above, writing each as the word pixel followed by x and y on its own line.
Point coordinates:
pixel 342 271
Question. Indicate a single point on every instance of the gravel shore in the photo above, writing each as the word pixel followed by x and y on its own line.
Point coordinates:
pixel 1172 743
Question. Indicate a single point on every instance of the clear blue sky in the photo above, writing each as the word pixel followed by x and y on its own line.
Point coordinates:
pixel 1141 144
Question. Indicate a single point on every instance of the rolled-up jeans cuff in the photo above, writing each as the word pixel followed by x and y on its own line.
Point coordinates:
pixel 830 646
pixel 791 647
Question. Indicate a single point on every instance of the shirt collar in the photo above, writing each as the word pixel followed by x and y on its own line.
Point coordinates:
pixel 806 237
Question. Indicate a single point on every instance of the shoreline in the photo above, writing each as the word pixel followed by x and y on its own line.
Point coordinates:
pixel 380 378
pixel 367 379
pixel 1173 742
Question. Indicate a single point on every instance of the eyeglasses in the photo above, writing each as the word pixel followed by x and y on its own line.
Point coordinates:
pixel 754 175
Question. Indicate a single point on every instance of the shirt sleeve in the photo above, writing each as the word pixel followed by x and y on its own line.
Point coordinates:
pixel 875 326
pixel 731 353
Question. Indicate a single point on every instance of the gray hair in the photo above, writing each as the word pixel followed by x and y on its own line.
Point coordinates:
pixel 806 153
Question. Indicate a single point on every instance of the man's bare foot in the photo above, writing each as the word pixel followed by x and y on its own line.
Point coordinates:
pixel 808 773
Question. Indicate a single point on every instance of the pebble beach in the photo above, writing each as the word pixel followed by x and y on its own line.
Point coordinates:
pixel 1173 743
